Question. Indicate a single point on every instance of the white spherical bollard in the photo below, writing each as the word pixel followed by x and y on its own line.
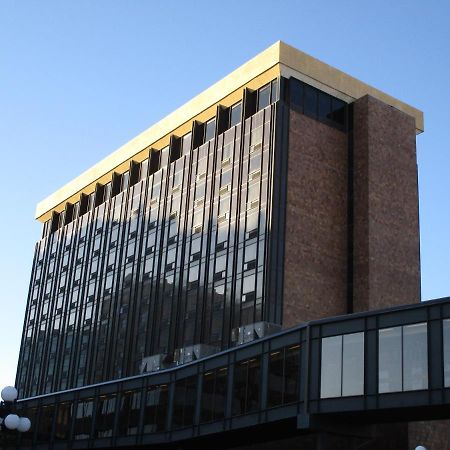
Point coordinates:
pixel 24 424
pixel 420 447
pixel 12 421
pixel 9 394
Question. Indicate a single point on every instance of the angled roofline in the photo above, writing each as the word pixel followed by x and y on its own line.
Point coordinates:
pixel 278 59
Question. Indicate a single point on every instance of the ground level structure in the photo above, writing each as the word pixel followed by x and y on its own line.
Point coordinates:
pixel 328 381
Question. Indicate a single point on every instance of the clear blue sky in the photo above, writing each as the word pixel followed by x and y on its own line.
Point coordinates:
pixel 80 78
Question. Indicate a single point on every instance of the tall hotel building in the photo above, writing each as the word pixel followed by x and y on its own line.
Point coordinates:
pixel 284 193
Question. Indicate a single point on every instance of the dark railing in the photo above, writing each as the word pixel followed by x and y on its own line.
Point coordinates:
pixel 368 370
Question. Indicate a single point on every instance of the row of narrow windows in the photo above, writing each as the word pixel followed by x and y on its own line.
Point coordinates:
pixel 135 250
pixel 119 414
pixel 317 104
pixel 402 361
pixel 201 133
pixel 236 389
pixel 302 97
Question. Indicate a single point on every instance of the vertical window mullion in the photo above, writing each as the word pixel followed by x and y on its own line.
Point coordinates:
pixel 401 359
pixel 283 385
pixel 342 363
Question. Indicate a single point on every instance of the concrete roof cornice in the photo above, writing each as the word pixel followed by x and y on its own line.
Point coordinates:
pixel 278 59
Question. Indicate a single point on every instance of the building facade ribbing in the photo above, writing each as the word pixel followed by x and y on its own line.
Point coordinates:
pixel 176 252
pixel 293 199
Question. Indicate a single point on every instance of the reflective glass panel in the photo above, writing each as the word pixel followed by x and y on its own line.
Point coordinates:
pixel 220 393
pixel 235 114
pixel 246 386
pixel 390 360
pixel 155 408
pixel 186 144
pixel 264 97
pixel 106 408
pixel 214 390
pixel 164 157
pixel 274 94
pixel 415 357
pixel 275 383
pixel 446 335
pixel 63 421
pixel 331 367
pixel 107 271
pixel 403 358
pixel 210 129
pixel 129 412
pixel 45 424
pixel 125 180
pixel 83 419
pixel 184 402
pixel 207 396
pixel 144 170
pixel 353 364
pixel 291 374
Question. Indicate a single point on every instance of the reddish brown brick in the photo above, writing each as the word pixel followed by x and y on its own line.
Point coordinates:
pixel 386 221
pixel 433 435
pixel 315 278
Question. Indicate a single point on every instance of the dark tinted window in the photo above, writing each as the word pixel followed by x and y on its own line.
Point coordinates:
pixel 296 92
pixel 91 201
pixel 291 374
pixel 317 104
pixel 324 106
pixel 275 385
pixel 186 144
pixel 214 394
pixel 129 410
pixel 184 402
pixel 83 419
pixel 125 180
pixel 310 104
pixel 155 408
pixel 63 421
pixel 107 194
pixel 164 157
pixel 45 424
pixel 338 108
pixel 235 114
pixel 210 129
pixel 283 376
pixel 264 97
pixel 104 423
pixel 274 94
pixel 246 387
pixel 175 152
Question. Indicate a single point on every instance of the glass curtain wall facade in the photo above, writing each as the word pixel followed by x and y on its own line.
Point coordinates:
pixel 202 394
pixel 175 252
pixel 171 253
